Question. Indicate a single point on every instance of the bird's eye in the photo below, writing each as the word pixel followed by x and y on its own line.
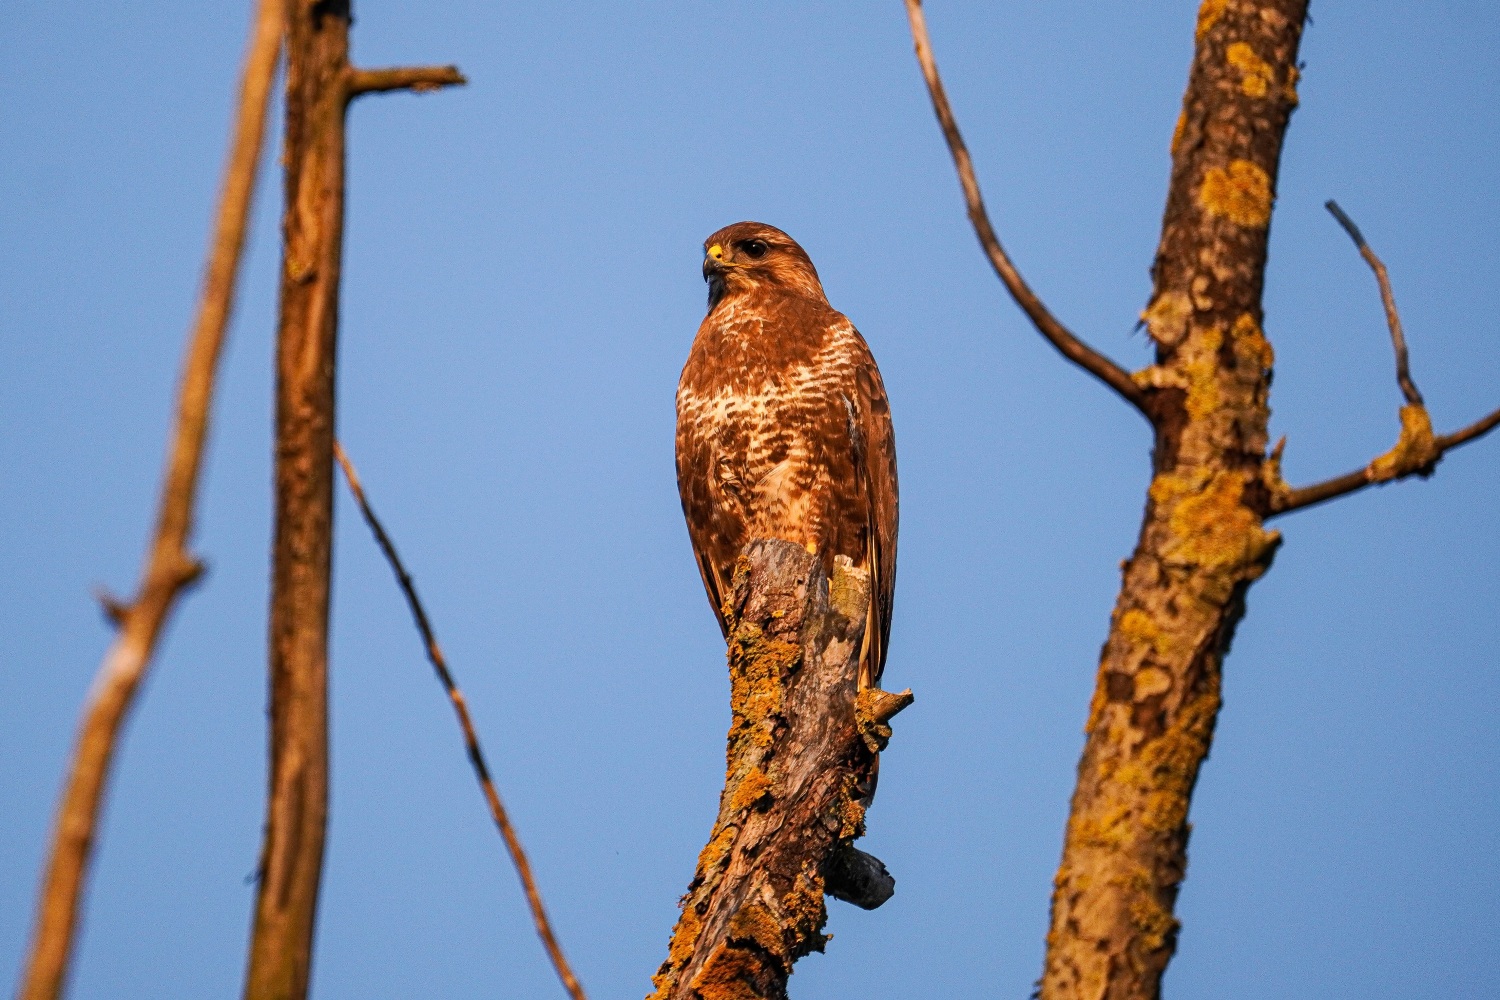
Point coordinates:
pixel 754 249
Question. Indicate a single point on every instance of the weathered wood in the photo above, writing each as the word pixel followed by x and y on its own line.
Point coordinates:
pixel 170 566
pixel 800 770
pixel 1202 542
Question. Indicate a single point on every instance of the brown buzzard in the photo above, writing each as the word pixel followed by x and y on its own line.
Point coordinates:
pixel 783 428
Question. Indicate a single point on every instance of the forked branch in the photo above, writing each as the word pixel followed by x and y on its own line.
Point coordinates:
pixel 1071 347
pixel 169 566
pixel 466 723
pixel 1417 450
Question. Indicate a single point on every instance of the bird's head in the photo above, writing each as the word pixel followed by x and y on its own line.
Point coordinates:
pixel 751 255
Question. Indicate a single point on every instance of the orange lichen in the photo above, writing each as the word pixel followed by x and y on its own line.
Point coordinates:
pixel 1250 343
pixel 714 853
pixel 1256 74
pixel 851 815
pixel 757 665
pixel 679 952
pixel 1293 74
pixel 753 789
pixel 1414 451
pixel 1177 131
pixel 1208 16
pixel 1240 193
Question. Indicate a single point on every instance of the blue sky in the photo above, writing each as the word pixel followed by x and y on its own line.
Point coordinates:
pixel 520 290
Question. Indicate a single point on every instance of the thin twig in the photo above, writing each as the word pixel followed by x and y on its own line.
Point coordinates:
pixel 1387 299
pixel 1418 450
pixel 471 737
pixel 169 566
pixel 1072 348
pixel 415 78
pixel 1351 482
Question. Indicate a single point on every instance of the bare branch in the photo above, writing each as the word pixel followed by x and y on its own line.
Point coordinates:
pixel 1066 342
pixel 1387 299
pixel 466 723
pixel 169 566
pixel 1352 482
pixel 414 78
pixel 1417 450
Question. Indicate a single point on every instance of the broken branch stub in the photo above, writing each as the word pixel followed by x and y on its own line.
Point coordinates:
pixel 800 772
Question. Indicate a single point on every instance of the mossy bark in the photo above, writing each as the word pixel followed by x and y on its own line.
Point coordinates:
pixel 801 763
pixel 1202 541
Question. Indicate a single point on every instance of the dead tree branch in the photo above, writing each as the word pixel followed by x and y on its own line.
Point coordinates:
pixel 170 566
pixel 801 763
pixel 466 723
pixel 319 89
pixel 1417 450
pixel 417 78
pixel 1202 541
pixel 1068 343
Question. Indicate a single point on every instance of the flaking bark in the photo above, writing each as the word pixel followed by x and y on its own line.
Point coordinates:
pixel 801 762
pixel 1202 543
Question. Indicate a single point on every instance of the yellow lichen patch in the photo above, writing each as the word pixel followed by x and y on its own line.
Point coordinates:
pixel 1208 16
pixel 1240 193
pixel 1293 74
pixel 1213 528
pixel 1250 344
pixel 1167 316
pixel 727 974
pixel 1177 131
pixel 753 788
pixel 1256 74
pixel 1200 366
pixel 1415 449
pixel 1138 628
pixel 1151 681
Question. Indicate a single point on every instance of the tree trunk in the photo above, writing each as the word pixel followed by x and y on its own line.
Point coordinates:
pixel 317 45
pixel 1202 542
pixel 801 765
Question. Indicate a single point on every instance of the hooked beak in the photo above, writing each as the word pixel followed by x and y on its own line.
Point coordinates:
pixel 714 262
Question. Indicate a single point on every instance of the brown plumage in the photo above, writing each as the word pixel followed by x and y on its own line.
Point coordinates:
pixel 783 428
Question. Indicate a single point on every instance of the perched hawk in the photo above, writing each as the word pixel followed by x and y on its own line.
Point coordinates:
pixel 783 429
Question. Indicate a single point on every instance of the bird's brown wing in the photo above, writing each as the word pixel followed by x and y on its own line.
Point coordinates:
pixel 704 519
pixel 875 463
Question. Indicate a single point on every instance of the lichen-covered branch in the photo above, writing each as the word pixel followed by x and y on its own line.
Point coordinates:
pixel 318 91
pixel 801 765
pixel 170 566
pixel 1067 342
pixel 1202 544
pixel 1417 450
pixel 466 725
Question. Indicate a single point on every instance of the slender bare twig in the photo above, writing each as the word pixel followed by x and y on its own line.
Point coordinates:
pixel 1072 348
pixel 1417 451
pixel 466 723
pixel 1387 299
pixel 417 78
pixel 1351 482
pixel 169 565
